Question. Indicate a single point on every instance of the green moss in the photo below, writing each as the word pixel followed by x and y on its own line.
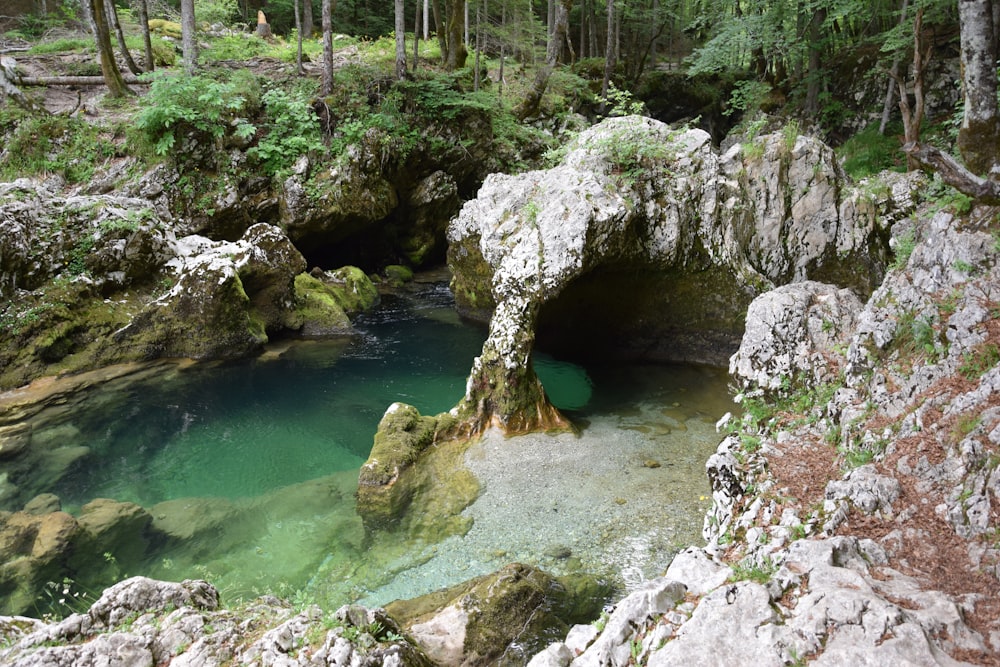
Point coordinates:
pixel 398 274
pixel 324 307
pixel 402 435
pixel 471 281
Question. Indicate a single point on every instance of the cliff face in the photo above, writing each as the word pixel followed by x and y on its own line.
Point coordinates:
pixel 644 238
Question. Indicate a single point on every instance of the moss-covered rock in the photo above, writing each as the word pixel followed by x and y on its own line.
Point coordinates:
pixel 500 618
pixel 383 492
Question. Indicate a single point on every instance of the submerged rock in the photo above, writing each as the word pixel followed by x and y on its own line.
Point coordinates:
pixel 635 203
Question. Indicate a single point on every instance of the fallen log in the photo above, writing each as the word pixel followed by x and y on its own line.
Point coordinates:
pixel 954 173
pixel 75 81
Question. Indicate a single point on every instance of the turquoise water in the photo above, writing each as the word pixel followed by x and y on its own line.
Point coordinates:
pixel 249 469
pixel 242 429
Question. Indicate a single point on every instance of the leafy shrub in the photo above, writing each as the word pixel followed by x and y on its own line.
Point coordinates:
pixel 215 11
pixel 290 128
pixel 179 105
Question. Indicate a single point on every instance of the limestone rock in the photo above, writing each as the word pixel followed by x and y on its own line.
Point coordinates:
pixel 233 293
pixel 118 528
pixel 635 197
pixel 791 333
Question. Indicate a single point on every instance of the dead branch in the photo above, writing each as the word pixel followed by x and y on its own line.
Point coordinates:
pixel 982 190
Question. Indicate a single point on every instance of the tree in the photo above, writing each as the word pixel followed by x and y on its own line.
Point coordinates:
pixel 327 86
pixel 189 41
pixel 400 20
pixel 147 44
pixel 120 36
pixel 109 68
pixel 977 138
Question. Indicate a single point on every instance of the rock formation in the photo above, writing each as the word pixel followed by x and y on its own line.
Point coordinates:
pixel 646 236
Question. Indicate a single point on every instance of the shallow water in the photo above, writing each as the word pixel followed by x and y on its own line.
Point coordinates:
pixel 256 462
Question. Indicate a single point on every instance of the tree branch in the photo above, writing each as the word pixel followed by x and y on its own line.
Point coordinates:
pixel 955 174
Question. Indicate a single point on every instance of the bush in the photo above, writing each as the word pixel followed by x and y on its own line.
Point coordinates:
pixel 179 105
pixel 291 130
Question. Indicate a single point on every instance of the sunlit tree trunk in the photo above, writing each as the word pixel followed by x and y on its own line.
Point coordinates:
pixel 109 68
pixel 609 55
pixel 457 52
pixel 426 20
pixel 189 41
pixel 115 24
pixel 416 31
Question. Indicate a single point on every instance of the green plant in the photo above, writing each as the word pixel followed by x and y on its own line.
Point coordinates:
pixel 621 103
pixel 868 152
pixel 905 243
pixel 789 135
pixel 747 97
pixel 977 361
pixel 965 425
pixel 178 105
pixel 290 131
pixel 751 570
pixel 602 621
pixel 962 266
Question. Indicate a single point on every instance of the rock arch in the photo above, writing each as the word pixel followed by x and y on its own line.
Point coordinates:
pixel 633 195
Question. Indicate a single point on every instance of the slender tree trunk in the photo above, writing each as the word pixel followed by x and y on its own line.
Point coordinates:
pixel 978 136
pixel 503 25
pixel 609 56
pixel 327 83
pixel 147 43
pixel 426 20
pixel 479 48
pixel 400 18
pixel 417 25
pixel 115 24
pixel 439 30
pixel 109 68
pixel 189 41
pixel 560 32
pixel 298 35
pixel 813 78
pixel 913 115
pixel 307 19
pixel 894 75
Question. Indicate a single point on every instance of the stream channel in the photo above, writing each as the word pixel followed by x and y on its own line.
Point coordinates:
pixel 252 466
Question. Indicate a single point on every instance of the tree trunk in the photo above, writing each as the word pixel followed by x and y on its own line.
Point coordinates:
pixel 954 173
pixel 327 84
pixel 978 136
pixel 147 43
pixel 400 18
pixel 913 116
pixel 457 52
pixel 609 56
pixel 893 77
pixel 189 40
pixel 109 68
pixel 441 33
pixel 426 19
pixel 813 78
pixel 298 36
pixel 115 24
pixel 129 79
pixel 307 19
pixel 416 32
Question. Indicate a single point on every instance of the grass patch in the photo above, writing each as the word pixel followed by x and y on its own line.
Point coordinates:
pixel 868 152
pixel 979 360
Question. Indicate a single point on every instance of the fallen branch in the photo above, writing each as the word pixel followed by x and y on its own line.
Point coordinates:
pixel 982 190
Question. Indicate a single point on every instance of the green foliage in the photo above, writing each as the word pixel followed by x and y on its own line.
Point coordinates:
pixel 868 152
pixel 290 130
pixel 747 97
pixel 241 46
pixel 748 570
pixel 62 45
pixel 964 425
pixel 905 243
pixel 621 103
pixel 216 11
pixel 178 105
pixel 37 145
pixel 917 338
pixel 979 360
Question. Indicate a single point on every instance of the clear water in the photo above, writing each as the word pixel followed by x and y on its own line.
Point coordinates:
pixel 254 464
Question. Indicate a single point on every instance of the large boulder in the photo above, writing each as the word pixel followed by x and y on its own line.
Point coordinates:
pixel 644 233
